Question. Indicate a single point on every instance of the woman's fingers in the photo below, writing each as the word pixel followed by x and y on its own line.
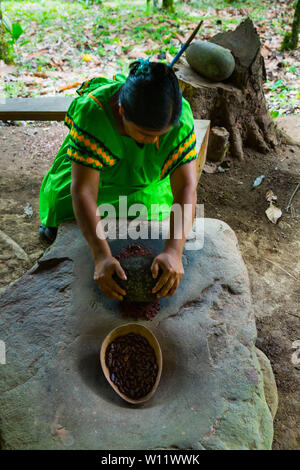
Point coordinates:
pixel 103 275
pixel 120 272
pixel 165 289
pixel 111 294
pixel 109 286
pixel 173 289
pixel 164 277
pixel 114 286
pixel 154 269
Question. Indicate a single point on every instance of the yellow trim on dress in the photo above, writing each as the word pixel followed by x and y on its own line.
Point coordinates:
pixel 86 141
pixel 181 149
pixel 157 142
pixel 94 147
pixel 80 158
pixel 96 100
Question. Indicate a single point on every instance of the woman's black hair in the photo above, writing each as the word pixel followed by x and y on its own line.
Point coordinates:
pixel 151 99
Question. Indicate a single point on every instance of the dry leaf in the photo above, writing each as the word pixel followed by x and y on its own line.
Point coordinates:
pixel 136 53
pixel 37 53
pixel 87 57
pixel 150 44
pixel 210 168
pixel 273 213
pixel 181 38
pixel 40 74
pixel 270 196
pixel 67 87
pixel 265 52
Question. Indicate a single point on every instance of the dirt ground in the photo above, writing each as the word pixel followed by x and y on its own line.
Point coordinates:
pixel 271 252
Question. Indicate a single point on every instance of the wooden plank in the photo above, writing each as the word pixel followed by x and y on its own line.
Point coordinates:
pixel 202 128
pixel 54 108
pixel 47 108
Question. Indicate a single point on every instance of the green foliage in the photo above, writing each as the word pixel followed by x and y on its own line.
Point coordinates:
pixel 87 3
pixel 6 52
pixel 282 95
pixel 88 26
pixel 290 40
pixel 168 5
pixel 274 114
pixel 7 28
pixel 285 45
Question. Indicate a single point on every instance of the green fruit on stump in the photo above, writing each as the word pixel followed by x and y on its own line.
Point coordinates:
pixel 210 60
pixel 139 283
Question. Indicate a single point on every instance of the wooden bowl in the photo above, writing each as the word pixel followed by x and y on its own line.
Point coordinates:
pixel 124 330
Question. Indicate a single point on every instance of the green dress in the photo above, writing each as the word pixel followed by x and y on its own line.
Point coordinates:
pixel 141 173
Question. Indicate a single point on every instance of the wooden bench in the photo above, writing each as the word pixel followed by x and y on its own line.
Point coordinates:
pixel 54 108
pixel 47 108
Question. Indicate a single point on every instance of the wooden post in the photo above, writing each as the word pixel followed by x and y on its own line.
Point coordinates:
pixel 202 133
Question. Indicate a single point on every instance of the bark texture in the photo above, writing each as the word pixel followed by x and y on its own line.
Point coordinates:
pixel 238 103
pixel 5 51
pixel 290 40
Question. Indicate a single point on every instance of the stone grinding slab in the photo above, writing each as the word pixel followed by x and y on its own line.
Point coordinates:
pixel 53 394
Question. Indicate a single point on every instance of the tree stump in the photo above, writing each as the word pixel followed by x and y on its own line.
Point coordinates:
pixel 238 103
pixel 217 144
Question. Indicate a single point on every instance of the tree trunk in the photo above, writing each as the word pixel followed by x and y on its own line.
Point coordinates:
pixel 290 40
pixel 5 50
pixel 168 5
pixel 155 3
pixel 238 103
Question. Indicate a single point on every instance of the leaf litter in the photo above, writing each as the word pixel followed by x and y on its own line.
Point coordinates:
pixel 66 43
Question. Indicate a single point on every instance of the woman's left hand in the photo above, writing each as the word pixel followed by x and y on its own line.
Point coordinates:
pixel 172 273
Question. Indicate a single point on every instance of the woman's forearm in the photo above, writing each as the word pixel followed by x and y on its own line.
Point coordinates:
pixel 181 224
pixel 85 210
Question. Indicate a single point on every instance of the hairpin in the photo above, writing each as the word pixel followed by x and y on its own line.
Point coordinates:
pixel 144 67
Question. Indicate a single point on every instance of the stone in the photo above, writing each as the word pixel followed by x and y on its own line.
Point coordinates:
pixel 53 393
pixel 269 382
pixel 139 282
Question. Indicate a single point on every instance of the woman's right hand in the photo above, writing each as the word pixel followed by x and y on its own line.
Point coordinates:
pixel 104 270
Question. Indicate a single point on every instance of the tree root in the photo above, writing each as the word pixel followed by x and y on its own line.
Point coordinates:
pixel 236 144
pixel 255 139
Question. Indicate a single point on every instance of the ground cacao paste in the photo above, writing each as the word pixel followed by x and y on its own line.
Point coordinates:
pixel 137 310
pixel 132 365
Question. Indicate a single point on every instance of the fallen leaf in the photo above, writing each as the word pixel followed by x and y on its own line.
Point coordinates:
pixel 270 196
pixel 210 168
pixel 31 84
pixel 273 213
pixel 40 74
pixel 136 53
pixel 181 38
pixel 67 87
pixel 150 44
pixel 28 210
pixel 87 57
pixel 31 55
pixel 265 52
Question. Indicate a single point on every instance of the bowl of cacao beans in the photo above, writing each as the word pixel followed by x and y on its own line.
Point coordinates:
pixel 131 361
